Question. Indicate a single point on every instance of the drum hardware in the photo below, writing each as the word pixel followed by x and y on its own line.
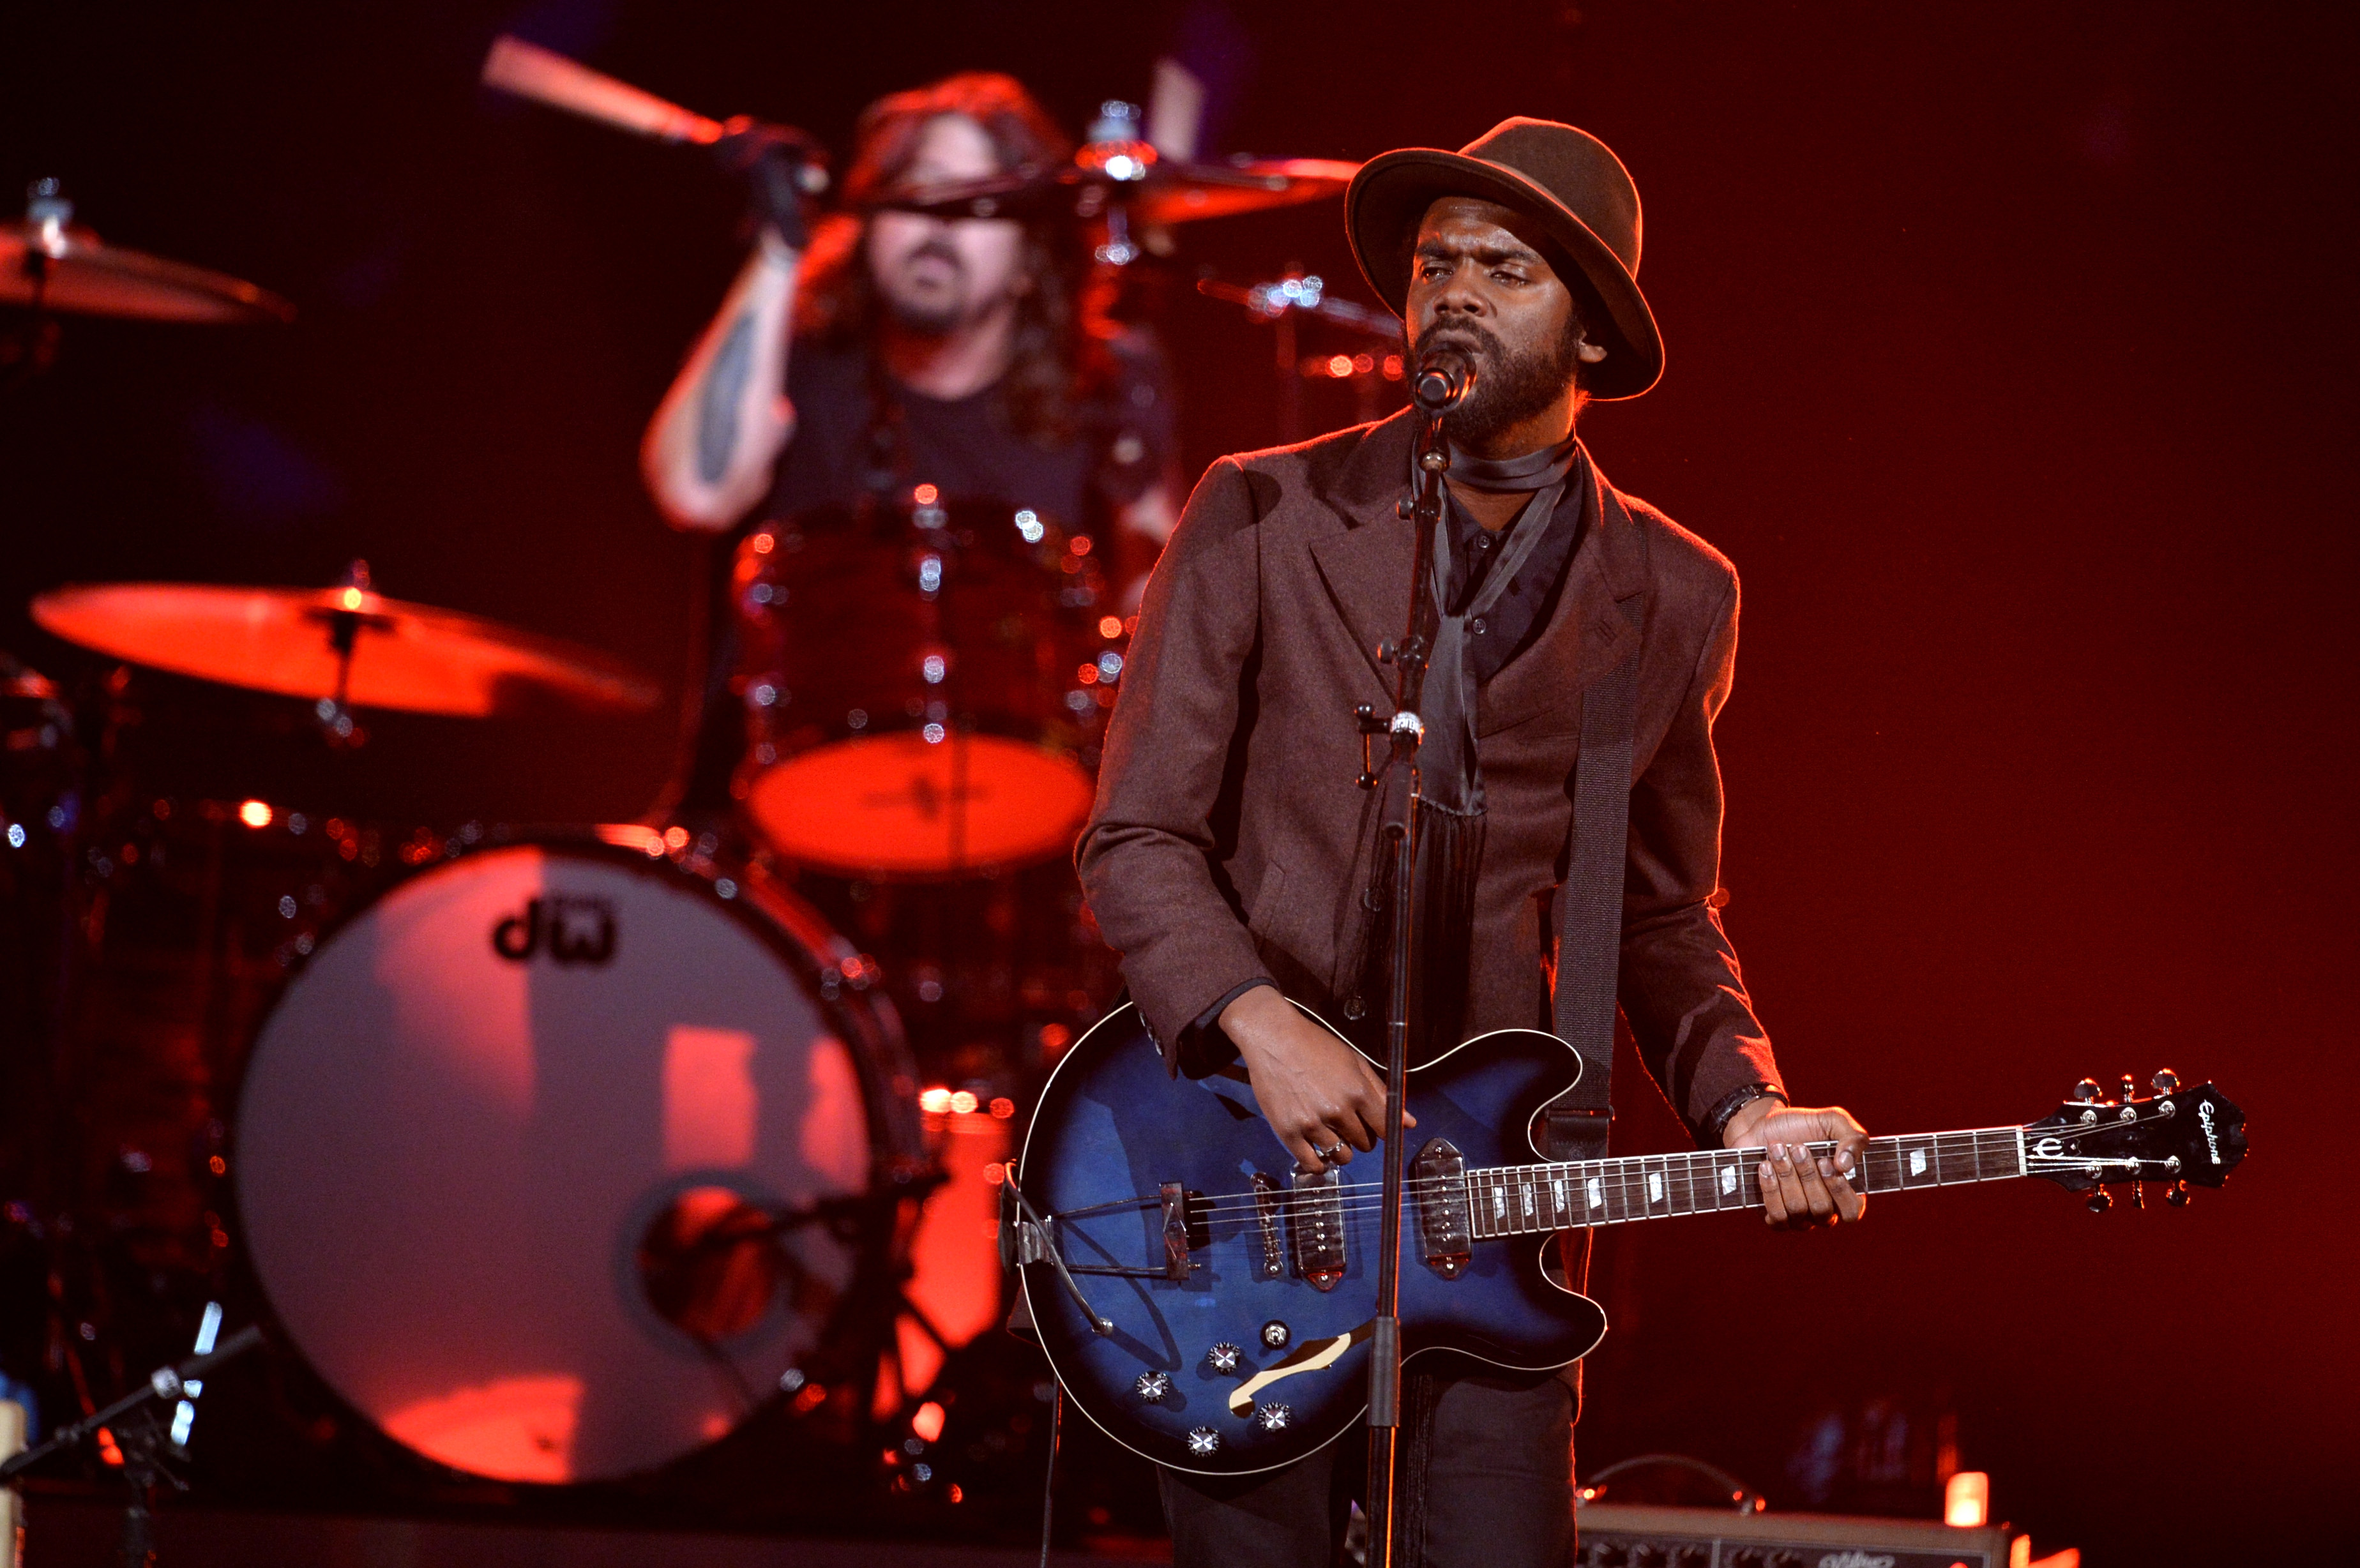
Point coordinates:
pixel 1298 294
pixel 1120 178
pixel 1278 303
pixel 145 1448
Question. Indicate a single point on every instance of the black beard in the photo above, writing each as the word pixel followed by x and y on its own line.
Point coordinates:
pixel 930 321
pixel 1510 388
pixel 924 320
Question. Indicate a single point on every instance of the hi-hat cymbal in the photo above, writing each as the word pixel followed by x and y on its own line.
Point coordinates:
pixel 46 261
pixel 1154 191
pixel 410 657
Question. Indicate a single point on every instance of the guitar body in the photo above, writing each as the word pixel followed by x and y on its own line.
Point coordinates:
pixel 1113 1131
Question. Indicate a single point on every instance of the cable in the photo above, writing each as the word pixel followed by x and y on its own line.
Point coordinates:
pixel 1049 1480
pixel 1747 1498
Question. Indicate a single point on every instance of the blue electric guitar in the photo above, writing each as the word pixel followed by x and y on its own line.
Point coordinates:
pixel 1210 1306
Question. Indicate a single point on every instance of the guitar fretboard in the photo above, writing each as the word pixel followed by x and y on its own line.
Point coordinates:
pixel 1513 1200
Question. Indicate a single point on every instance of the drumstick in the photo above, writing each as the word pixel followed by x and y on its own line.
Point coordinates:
pixel 530 71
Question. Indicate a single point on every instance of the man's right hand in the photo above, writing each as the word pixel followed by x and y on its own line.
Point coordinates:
pixel 1315 1091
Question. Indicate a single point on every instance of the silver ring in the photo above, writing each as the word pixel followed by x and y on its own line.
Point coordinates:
pixel 1330 1155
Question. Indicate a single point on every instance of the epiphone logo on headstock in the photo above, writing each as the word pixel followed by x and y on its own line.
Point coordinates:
pixel 571 931
pixel 1857 1558
pixel 2211 1138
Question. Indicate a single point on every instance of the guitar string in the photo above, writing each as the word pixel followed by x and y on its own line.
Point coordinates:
pixel 1944 1144
pixel 1362 1198
pixel 1369 1193
pixel 1522 1225
pixel 1519 1225
pixel 1621 1169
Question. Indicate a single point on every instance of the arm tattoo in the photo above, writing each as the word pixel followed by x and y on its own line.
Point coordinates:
pixel 717 400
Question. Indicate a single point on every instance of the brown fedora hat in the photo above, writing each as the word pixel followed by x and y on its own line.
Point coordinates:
pixel 1568 181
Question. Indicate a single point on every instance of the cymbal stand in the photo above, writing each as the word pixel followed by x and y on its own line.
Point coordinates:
pixel 46 208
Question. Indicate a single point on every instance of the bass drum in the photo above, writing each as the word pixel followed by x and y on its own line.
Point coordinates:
pixel 557 1158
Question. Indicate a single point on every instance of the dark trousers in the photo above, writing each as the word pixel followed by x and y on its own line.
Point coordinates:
pixel 1487 1482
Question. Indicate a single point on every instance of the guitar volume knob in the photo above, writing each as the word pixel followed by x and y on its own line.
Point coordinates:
pixel 1202 1440
pixel 1153 1386
pixel 1223 1357
pixel 1273 1417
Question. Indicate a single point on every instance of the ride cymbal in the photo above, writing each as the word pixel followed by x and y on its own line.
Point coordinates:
pixel 342 644
pixel 50 264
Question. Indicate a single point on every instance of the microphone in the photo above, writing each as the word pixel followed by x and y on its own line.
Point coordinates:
pixel 1443 380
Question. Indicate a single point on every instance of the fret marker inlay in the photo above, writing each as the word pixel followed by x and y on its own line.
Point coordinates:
pixel 1917 1162
pixel 1655 1188
pixel 1596 1197
pixel 1728 1179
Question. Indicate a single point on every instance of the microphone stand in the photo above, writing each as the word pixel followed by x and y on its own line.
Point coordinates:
pixel 1437 391
pixel 144 1444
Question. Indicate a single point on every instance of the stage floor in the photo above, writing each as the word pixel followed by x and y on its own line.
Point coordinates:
pixel 62 1534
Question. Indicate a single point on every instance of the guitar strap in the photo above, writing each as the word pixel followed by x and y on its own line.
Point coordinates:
pixel 1589 905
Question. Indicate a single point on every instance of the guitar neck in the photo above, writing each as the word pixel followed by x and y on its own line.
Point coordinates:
pixel 1513 1200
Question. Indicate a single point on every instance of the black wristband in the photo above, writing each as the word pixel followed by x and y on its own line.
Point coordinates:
pixel 1716 1120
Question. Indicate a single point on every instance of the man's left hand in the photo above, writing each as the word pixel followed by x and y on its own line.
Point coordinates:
pixel 1802 1191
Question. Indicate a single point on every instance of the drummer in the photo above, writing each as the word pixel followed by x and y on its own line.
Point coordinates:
pixel 969 353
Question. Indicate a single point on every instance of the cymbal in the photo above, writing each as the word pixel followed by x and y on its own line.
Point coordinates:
pixel 1154 191
pixel 48 261
pixel 410 657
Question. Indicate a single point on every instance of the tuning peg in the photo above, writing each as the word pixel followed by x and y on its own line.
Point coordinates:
pixel 2165 1081
pixel 2088 1093
pixel 2098 1200
pixel 2130 1087
pixel 2176 1194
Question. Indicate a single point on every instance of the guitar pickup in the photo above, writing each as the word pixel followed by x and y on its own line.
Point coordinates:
pixel 1318 1228
pixel 1440 1172
pixel 1185 1227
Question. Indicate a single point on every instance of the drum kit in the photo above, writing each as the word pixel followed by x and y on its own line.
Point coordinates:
pixel 558 1155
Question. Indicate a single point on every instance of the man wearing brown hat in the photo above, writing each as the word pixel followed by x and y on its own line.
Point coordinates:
pixel 1231 857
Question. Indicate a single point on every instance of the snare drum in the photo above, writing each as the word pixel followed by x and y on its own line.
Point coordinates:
pixel 558 1157
pixel 925 690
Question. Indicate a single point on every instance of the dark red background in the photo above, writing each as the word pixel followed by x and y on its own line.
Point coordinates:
pixel 2008 357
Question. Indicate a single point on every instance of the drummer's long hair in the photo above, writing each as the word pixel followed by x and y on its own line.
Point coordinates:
pixel 1060 354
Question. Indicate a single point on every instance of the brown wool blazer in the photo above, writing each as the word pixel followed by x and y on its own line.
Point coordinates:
pixel 1229 840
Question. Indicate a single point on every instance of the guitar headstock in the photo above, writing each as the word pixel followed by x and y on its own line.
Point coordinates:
pixel 2181 1137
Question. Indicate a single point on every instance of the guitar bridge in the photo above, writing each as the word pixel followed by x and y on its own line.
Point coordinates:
pixel 1268 1202
pixel 1185 1227
pixel 1318 1229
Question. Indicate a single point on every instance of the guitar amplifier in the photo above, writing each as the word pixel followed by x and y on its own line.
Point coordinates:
pixel 1625 1535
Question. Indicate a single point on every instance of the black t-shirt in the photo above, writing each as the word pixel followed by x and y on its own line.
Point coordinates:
pixel 1122 445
